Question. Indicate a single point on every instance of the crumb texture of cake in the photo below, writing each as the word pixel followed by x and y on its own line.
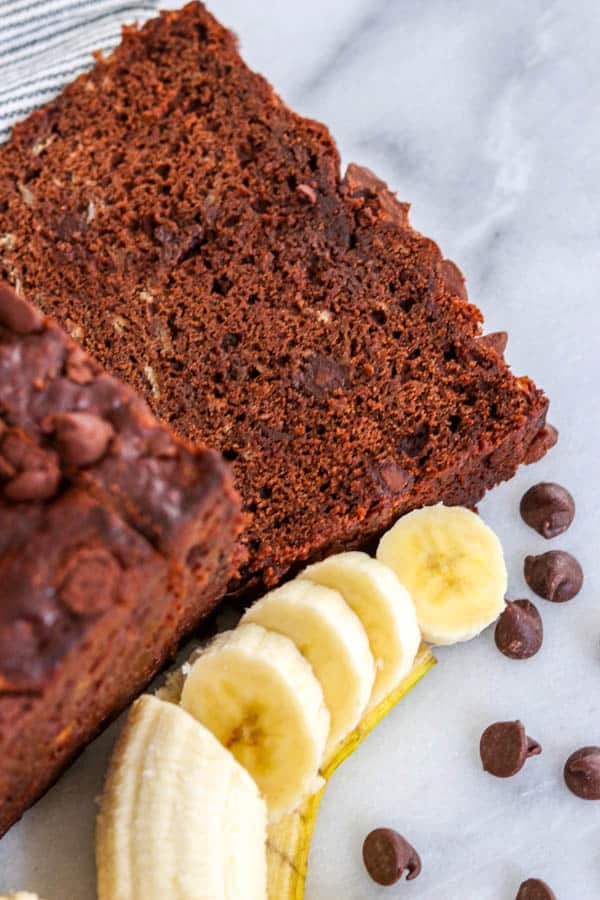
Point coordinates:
pixel 115 540
pixel 197 237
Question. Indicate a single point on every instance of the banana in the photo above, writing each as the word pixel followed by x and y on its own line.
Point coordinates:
pixel 330 636
pixel 384 608
pixel 453 567
pixel 288 840
pixel 259 696
pixel 179 817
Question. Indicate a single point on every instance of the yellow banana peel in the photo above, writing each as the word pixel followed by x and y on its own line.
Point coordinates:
pixel 288 840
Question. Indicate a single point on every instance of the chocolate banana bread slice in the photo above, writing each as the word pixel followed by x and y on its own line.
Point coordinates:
pixel 115 540
pixel 197 237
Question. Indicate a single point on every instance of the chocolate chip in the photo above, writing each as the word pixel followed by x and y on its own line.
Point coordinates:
pixel 541 443
pixel 504 747
pixel 16 313
pixel 391 477
pixel 161 445
pixel 454 279
pixel 33 484
pixel 90 582
pixel 519 632
pixel 361 182
pixel 582 773
pixel 324 375
pixel 495 340
pixel 534 889
pixel 548 508
pixel 414 443
pixel 79 367
pixel 82 438
pixel 387 855
pixel 555 575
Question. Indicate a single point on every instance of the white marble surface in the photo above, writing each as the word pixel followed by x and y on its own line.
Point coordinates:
pixel 487 118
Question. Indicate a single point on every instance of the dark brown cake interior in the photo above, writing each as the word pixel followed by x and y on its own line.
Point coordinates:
pixel 196 236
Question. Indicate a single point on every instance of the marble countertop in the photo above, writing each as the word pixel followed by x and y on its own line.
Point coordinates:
pixel 486 117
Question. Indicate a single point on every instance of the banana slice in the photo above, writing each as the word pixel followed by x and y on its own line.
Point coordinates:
pixel 384 608
pixel 179 817
pixel 255 691
pixel 453 566
pixel 332 639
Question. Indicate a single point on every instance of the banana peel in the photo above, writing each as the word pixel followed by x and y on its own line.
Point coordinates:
pixel 288 840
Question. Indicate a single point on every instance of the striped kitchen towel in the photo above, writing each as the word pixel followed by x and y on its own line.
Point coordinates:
pixel 44 44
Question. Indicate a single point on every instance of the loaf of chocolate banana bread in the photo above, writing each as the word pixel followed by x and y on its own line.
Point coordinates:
pixel 198 238
pixel 115 540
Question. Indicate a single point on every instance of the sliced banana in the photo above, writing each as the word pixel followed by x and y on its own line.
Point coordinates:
pixel 452 564
pixel 330 636
pixel 255 691
pixel 179 817
pixel 384 608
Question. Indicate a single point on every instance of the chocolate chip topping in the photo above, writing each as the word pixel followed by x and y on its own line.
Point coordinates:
pixel 496 340
pixel 30 472
pixel 387 855
pixel 34 484
pixel 555 575
pixel 535 889
pixel 79 367
pixel 90 583
pixel 519 632
pixel 549 508
pixel 82 438
pixel 582 773
pixel 16 313
pixel 504 747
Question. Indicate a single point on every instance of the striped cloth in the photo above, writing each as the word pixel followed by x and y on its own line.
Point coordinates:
pixel 44 44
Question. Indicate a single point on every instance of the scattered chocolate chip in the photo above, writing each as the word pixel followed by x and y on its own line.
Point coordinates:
pixel 582 773
pixel 495 340
pixel 82 438
pixel 555 575
pixel 33 484
pixel 90 583
pixel 16 313
pixel 534 889
pixel 541 443
pixel 549 508
pixel 519 631
pixel 387 855
pixel 504 747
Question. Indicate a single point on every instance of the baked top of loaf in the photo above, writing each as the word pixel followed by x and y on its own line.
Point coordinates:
pixel 95 497
pixel 197 237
